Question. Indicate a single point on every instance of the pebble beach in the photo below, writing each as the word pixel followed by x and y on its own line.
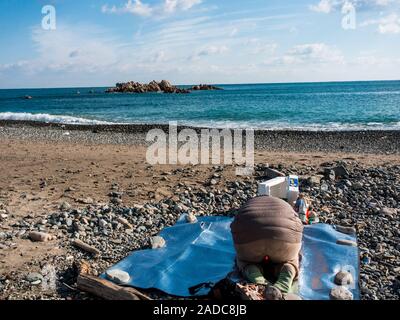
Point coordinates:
pixel 92 183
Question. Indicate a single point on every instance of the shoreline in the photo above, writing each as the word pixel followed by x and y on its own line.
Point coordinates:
pixel 357 141
pixel 144 127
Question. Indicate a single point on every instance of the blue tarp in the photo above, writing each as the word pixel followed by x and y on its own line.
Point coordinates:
pixel 203 253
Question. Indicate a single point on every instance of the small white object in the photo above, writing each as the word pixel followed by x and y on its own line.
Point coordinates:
pixel 118 276
pixel 286 188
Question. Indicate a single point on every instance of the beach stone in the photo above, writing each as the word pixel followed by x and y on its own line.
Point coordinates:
pixel 65 206
pixel 191 218
pixel 341 293
pixel 273 293
pixel 118 276
pixel 125 223
pixel 329 174
pixel 357 186
pixel 388 211
pixel 87 200
pixel 340 172
pixel 34 278
pixel 343 278
pixel 291 297
pixel 314 180
pixel 157 242
pixel 40 236
pixel 346 230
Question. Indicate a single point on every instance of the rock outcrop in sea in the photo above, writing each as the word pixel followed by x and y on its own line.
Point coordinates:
pixel 154 86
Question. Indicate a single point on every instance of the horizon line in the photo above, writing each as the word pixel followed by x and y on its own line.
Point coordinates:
pixel 216 84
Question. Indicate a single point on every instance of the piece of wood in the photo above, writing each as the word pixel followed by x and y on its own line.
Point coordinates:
pixel 250 291
pixel 84 246
pixel 107 290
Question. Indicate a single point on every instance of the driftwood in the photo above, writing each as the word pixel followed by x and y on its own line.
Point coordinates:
pixel 84 246
pixel 250 291
pixel 107 290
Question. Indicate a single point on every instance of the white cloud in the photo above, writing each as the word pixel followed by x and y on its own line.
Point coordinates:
pixel 324 6
pixel 328 6
pixel 135 7
pixel 139 8
pixel 386 25
pixel 209 51
pixel 313 53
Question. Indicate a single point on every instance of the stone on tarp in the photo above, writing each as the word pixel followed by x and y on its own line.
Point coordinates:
pixel 341 293
pixel 344 278
pixel 191 218
pixel 118 276
pixel 157 242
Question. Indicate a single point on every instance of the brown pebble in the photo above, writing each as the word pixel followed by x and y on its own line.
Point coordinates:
pixel 40 236
pixel 343 278
pixel 346 230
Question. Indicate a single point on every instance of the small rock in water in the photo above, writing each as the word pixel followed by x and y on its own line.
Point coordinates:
pixel 157 242
pixel 191 218
pixel 341 293
pixel 343 278
pixel 118 276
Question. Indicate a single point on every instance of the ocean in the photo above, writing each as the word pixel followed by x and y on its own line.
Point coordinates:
pixel 295 106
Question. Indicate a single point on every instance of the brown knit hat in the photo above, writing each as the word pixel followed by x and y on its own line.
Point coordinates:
pixel 267 218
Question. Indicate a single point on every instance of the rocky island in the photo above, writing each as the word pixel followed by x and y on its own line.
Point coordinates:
pixel 154 86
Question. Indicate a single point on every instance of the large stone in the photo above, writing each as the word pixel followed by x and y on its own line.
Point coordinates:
pixel 344 278
pixel 40 236
pixel 315 180
pixel 118 276
pixel 191 218
pixel 341 293
pixel 34 278
pixel 340 172
pixel 157 242
pixel 65 206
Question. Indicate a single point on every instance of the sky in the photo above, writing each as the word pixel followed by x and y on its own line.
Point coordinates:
pixel 101 42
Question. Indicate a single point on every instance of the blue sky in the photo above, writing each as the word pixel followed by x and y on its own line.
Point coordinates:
pixel 101 42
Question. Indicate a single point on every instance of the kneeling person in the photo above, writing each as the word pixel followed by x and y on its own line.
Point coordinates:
pixel 268 229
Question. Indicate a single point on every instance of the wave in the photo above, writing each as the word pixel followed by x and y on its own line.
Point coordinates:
pixel 48 118
pixel 256 125
pixel 270 125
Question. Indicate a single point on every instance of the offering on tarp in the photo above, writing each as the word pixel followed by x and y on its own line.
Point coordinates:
pixel 286 188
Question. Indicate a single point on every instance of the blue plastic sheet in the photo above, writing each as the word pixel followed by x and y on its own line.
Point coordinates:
pixel 203 253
